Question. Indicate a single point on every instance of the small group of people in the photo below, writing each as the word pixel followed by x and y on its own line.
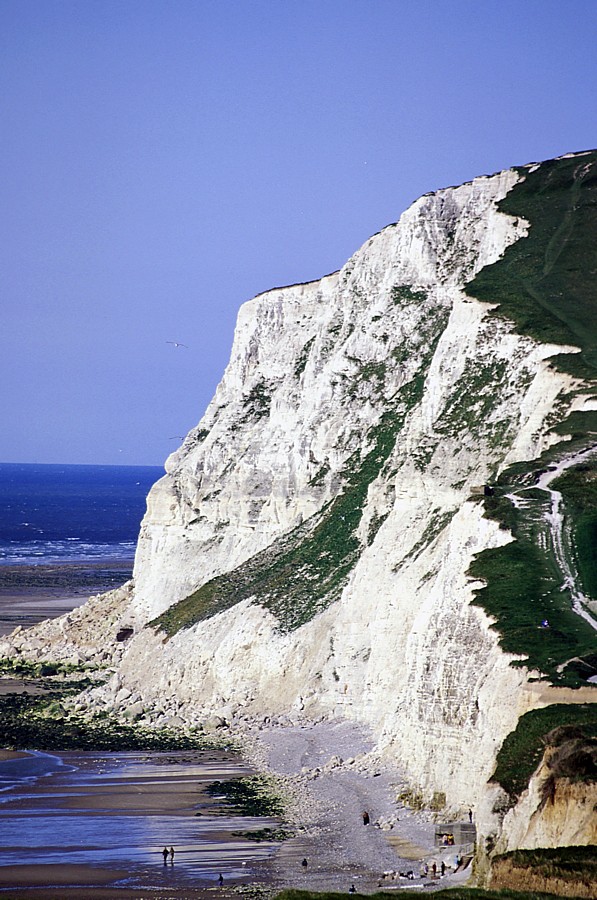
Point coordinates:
pixel 433 870
pixel 169 853
pixel 448 840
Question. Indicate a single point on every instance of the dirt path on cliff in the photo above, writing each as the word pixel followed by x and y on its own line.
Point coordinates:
pixel 336 777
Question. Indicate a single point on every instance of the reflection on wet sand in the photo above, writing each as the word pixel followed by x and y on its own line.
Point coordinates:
pixel 105 818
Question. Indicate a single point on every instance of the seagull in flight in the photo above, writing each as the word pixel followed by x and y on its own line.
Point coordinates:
pixel 177 344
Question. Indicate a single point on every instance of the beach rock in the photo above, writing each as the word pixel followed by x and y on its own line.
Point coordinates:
pixel 122 696
pixel 173 722
pixel 133 711
pixel 227 713
pixel 214 723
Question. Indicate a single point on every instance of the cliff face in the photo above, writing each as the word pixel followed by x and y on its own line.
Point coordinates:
pixel 307 552
pixel 323 514
pixel 313 370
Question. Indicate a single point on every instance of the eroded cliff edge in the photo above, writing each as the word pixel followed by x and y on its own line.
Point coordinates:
pixel 308 552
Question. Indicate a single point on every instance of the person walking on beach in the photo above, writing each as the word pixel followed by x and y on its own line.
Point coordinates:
pixel 165 854
pixel 366 818
pixel 220 879
pixel 171 854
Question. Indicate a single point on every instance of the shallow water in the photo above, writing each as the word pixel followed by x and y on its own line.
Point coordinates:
pixel 16 774
pixel 119 810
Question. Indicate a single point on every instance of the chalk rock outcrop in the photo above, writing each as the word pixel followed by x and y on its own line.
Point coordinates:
pixel 322 517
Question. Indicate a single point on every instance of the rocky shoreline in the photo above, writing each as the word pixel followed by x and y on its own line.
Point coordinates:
pixel 327 776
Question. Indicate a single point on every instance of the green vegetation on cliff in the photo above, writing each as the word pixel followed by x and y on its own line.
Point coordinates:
pixel 304 571
pixel 456 893
pixel 523 584
pixel 546 285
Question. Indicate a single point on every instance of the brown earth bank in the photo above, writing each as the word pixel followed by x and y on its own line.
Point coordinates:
pixel 12 754
pixel 548 876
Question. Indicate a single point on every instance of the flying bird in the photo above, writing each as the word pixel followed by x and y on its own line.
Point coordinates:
pixel 177 344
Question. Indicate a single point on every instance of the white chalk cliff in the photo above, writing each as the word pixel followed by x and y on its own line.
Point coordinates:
pixel 328 504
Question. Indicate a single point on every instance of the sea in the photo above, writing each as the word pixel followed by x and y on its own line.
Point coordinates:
pixel 71 513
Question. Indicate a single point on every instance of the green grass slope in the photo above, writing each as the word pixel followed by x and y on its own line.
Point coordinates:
pixel 546 284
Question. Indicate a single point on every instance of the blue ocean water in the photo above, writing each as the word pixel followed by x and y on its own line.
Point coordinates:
pixel 27 770
pixel 66 513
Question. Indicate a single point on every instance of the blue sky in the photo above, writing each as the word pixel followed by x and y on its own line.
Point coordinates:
pixel 165 160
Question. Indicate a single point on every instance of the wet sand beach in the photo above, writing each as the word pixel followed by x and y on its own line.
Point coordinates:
pixel 95 827
pixel 98 822
pixel 29 594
